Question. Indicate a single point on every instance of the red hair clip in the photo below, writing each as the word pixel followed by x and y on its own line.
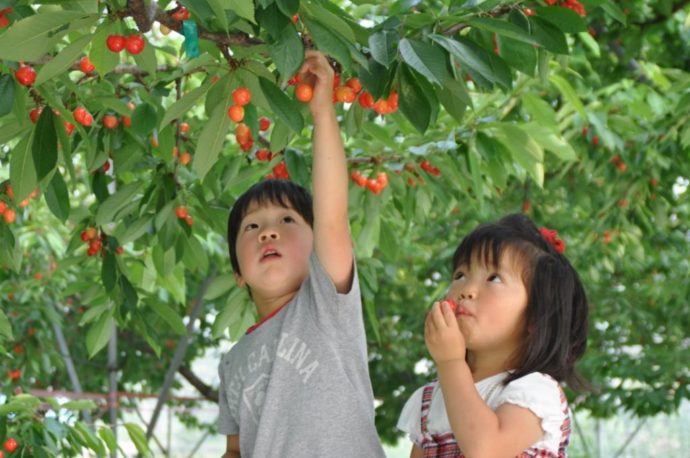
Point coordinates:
pixel 551 236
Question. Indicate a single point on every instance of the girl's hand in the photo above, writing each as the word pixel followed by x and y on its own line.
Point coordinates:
pixel 318 72
pixel 442 334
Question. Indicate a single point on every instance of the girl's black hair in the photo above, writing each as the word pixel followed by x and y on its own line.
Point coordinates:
pixel 279 192
pixel 557 308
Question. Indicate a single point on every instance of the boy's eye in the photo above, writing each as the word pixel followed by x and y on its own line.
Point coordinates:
pixel 288 219
pixel 495 278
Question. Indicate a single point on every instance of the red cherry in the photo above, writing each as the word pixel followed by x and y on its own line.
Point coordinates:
pixel 134 44
pixel 184 127
pixel 34 114
pixel 82 116
pixel 9 215
pixel 185 158
pixel 236 113
pixel 264 124
pixel 452 304
pixel 366 100
pixel 26 75
pixel 345 94
pixel 181 212
pixel 280 171
pixel 189 220
pixel 354 84
pixel 3 207
pixel 180 14
pixel 595 140
pixel 115 43
pixel 106 166
pixel 374 186
pixel 263 155
pixel 85 65
pixel 110 121
pixel 304 92
pixel 127 121
pixel 119 250
pixel 241 96
pixel 243 133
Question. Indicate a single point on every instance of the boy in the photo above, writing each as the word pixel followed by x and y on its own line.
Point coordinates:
pixel 297 384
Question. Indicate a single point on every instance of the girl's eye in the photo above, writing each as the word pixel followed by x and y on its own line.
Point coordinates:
pixel 251 226
pixel 288 219
pixel 495 278
pixel 458 275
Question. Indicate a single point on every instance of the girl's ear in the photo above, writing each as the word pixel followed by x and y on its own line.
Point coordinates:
pixel 239 280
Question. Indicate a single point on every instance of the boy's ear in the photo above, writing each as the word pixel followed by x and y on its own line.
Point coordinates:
pixel 239 280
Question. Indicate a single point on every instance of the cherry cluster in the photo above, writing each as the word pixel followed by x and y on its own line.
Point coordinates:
pixel 133 44
pixel 375 185
pixel 95 241
pixel 574 5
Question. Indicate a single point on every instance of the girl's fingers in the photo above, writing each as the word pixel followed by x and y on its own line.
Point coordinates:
pixel 438 315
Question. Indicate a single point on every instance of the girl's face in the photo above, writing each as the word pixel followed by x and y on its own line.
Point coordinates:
pixel 492 301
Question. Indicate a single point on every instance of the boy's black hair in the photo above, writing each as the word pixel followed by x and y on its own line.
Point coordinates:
pixel 557 308
pixel 279 192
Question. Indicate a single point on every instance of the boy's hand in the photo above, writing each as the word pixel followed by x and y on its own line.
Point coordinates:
pixel 442 334
pixel 318 72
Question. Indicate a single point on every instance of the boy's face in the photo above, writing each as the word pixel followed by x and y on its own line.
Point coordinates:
pixel 273 247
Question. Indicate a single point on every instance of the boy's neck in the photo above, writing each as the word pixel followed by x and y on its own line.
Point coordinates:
pixel 269 305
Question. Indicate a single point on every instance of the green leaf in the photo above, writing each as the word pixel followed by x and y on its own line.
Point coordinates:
pixel 413 104
pixel 614 11
pixel 454 98
pixel 569 94
pixel 99 334
pixel 549 36
pixel 169 316
pixel 565 19
pixel 428 60
pixel 368 237
pixel 297 167
pixel 79 405
pixel 502 27
pixel 526 152
pixel 139 438
pixel 109 271
pixel 44 147
pixel 64 60
pixel 182 106
pixel 90 438
pixel 477 60
pixel 242 8
pixel 22 169
pixel 272 20
pixel 219 13
pixel 539 110
pixel 549 139
pixel 219 286
pixel 329 43
pixel 146 59
pixel 32 37
pixel 288 7
pixel 11 130
pixel 6 95
pixel 230 313
pixel 5 326
pixel 108 437
pixel 211 141
pixel 383 46
pixel 285 108
pixel 287 52
pixel 57 197
pixel 136 229
pixel 144 119
pixel 100 56
pixel 124 196
pixel 329 19
pixel 519 55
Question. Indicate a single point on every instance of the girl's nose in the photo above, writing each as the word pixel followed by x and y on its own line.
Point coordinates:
pixel 468 294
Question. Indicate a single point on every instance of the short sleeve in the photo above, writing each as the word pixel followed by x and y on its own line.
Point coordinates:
pixel 410 420
pixel 543 396
pixel 340 313
pixel 226 423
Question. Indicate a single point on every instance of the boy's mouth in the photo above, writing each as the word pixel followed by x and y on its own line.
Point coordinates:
pixel 269 253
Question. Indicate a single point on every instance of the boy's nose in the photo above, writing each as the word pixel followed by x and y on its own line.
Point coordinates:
pixel 268 235
pixel 468 295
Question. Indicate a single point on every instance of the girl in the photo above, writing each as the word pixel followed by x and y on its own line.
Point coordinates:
pixel 511 328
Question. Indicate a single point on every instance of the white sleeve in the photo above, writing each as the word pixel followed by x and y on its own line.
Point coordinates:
pixel 410 420
pixel 542 395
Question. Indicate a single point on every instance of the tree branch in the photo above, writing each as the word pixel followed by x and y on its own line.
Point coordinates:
pixel 205 390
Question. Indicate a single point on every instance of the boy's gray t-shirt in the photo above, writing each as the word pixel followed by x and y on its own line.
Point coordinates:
pixel 298 385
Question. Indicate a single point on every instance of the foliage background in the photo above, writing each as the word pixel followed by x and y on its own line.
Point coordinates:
pixel 581 122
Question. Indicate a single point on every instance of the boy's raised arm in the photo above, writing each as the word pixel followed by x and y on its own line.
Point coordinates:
pixel 332 240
